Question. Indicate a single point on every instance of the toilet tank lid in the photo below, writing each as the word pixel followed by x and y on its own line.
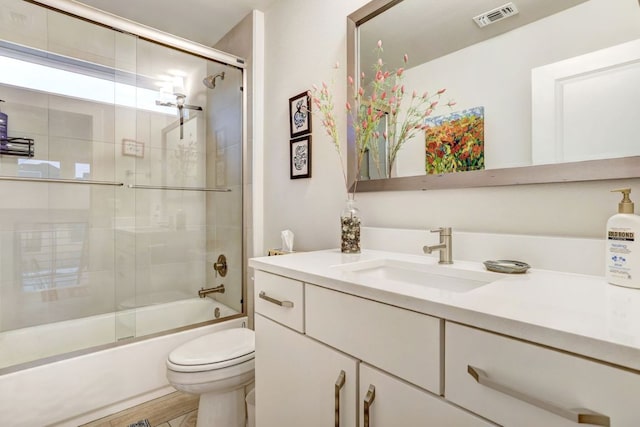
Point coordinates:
pixel 216 347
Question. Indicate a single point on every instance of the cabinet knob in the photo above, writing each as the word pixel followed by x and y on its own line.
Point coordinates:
pixel 578 416
pixel 368 401
pixel 339 384
pixel 272 300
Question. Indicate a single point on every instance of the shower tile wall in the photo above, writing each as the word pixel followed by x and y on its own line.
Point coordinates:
pixel 124 247
pixel 224 161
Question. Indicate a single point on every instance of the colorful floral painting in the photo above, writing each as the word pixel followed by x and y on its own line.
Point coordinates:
pixel 455 142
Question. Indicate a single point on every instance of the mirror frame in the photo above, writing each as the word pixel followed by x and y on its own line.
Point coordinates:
pixel 590 170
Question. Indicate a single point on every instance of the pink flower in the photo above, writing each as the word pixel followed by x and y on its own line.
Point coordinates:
pixel 399 72
pixel 379 44
pixel 433 105
pixel 441 91
pixel 348 107
pixel 451 103
pixel 350 79
pixel 406 58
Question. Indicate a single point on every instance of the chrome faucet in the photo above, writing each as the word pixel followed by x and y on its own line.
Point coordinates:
pixel 206 291
pixel 444 246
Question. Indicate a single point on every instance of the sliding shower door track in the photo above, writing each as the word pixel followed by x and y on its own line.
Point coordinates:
pixel 61 181
pixel 168 187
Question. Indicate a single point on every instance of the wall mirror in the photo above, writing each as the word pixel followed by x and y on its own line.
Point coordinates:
pixel 556 80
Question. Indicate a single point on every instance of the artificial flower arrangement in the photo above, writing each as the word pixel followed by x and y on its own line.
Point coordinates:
pixel 382 100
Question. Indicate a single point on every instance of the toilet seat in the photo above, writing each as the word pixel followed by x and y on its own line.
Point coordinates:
pixel 223 349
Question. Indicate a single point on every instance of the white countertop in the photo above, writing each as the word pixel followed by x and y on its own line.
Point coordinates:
pixel 576 313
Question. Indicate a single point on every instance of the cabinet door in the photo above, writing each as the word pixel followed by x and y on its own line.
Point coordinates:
pixel 518 384
pixel 280 299
pixel 397 403
pixel 402 342
pixel 296 380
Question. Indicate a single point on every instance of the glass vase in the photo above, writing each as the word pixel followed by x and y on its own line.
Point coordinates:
pixel 350 227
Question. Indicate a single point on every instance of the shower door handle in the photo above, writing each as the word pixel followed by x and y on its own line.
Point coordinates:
pixel 368 401
pixel 272 300
pixel 338 386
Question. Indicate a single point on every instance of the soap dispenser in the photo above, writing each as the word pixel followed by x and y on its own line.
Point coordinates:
pixel 623 248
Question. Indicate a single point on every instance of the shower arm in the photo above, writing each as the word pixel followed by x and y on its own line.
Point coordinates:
pixel 180 105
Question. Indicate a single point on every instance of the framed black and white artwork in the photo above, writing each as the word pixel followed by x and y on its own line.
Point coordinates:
pixel 300 162
pixel 300 114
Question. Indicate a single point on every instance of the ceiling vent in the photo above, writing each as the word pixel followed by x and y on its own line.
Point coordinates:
pixel 494 15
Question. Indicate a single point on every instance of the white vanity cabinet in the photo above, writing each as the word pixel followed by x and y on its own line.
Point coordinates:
pixel 300 382
pixel 516 383
pixel 309 378
pixel 542 349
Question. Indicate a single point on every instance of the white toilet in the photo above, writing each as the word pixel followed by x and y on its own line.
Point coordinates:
pixel 217 367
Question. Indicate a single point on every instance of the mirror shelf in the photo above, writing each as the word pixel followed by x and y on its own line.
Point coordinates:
pixel 590 170
pixel 617 167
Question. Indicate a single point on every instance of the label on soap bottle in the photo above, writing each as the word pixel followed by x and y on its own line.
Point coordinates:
pixel 620 246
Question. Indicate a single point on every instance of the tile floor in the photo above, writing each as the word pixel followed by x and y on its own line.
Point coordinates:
pixel 173 410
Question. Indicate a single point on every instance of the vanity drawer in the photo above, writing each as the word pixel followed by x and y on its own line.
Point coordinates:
pixel 522 384
pixel 280 299
pixel 398 341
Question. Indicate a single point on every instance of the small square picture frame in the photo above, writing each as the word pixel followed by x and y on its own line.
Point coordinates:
pixel 300 157
pixel 300 115
pixel 131 147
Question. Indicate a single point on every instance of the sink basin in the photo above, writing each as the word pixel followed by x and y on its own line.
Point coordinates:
pixel 446 278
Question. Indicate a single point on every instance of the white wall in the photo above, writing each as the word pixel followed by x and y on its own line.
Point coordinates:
pixel 303 42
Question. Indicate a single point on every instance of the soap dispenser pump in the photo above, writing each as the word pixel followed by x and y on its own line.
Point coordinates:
pixel 623 248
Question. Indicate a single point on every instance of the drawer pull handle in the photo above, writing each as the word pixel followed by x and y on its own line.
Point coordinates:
pixel 579 416
pixel 264 296
pixel 339 384
pixel 368 401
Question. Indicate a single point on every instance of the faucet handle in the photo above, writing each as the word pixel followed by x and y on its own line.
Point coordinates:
pixel 220 266
pixel 444 231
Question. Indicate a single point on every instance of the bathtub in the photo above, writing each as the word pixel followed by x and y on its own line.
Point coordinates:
pixel 78 389
pixel 27 344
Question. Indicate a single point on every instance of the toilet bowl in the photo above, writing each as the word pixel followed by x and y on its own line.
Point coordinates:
pixel 216 366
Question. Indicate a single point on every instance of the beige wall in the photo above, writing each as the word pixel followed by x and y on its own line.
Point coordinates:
pixel 303 42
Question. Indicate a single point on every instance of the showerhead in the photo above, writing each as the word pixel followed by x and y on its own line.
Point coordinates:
pixel 210 81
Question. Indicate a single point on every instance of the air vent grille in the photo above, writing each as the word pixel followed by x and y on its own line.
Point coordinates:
pixel 495 15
